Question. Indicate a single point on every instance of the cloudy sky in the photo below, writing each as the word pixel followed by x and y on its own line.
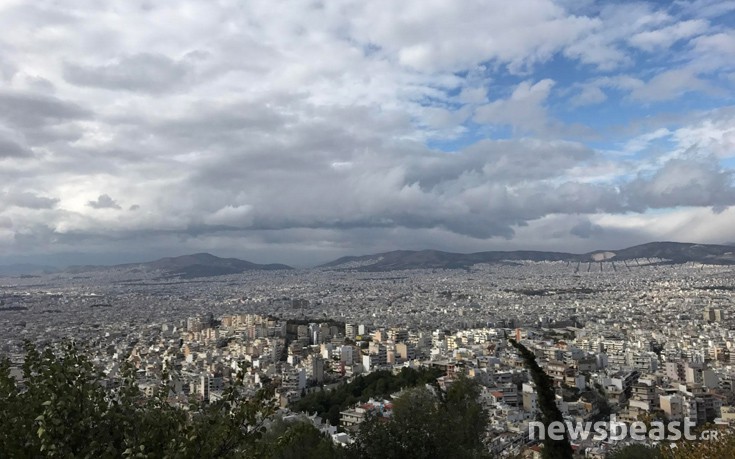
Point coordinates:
pixel 299 131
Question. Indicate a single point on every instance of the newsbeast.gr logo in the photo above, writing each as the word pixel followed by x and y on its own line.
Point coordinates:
pixel 615 430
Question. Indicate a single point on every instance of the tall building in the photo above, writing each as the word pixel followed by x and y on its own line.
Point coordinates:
pixel 347 355
pixel 194 324
pixel 397 335
pixel 676 371
pixel 315 368
pixel 672 406
pixel 713 314
pixel 302 332
pixel 405 351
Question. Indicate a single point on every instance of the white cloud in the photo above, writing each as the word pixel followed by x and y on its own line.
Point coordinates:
pixel 652 40
pixel 714 134
pixel 321 123
pixel 669 85
pixel 524 109
pixel 237 216
pixel 683 225
pixel 433 35
pixel 589 95
pixel 713 52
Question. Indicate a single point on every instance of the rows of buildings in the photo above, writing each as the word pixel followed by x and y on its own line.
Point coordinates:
pixel 643 343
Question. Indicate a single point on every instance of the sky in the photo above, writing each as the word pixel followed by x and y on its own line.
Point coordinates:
pixel 301 131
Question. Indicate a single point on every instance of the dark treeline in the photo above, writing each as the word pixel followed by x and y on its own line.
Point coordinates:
pixel 62 409
pixel 329 403
pixel 548 411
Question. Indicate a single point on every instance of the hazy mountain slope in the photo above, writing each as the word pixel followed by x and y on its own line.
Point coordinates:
pixel 190 266
pixel 673 252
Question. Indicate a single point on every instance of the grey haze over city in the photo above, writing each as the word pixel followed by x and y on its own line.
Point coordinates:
pixel 301 132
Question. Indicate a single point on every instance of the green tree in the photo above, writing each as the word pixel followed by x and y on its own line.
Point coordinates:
pixel 469 419
pixel 297 440
pixel 425 425
pixel 64 410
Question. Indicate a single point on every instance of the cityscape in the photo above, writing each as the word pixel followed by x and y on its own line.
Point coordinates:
pixel 384 229
pixel 597 333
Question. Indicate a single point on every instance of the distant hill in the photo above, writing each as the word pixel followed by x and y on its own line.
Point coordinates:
pixel 25 269
pixel 190 266
pixel 661 252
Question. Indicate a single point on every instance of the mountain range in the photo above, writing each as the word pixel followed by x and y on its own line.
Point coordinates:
pixel 19 269
pixel 189 266
pixel 207 265
pixel 662 252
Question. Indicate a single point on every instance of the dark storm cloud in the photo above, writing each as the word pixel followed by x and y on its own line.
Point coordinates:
pixel 104 202
pixel 141 72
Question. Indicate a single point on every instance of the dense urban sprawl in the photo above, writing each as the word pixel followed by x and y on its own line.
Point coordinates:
pixel 642 341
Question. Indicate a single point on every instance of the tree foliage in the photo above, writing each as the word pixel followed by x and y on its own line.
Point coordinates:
pixel 62 409
pixel 297 440
pixel 721 446
pixel 328 404
pixel 425 425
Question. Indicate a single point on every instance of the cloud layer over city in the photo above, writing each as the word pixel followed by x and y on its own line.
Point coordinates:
pixel 300 131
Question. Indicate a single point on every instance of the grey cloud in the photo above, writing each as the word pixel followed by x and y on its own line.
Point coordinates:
pixel 334 172
pixel 304 246
pixel 506 161
pixel 104 202
pixel 140 72
pixel 524 110
pixel 43 15
pixel 585 229
pixel 7 70
pixel 5 222
pixel 11 149
pixel 377 193
pixel 682 182
pixel 29 200
pixel 39 84
pixel 305 178
pixel 31 110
